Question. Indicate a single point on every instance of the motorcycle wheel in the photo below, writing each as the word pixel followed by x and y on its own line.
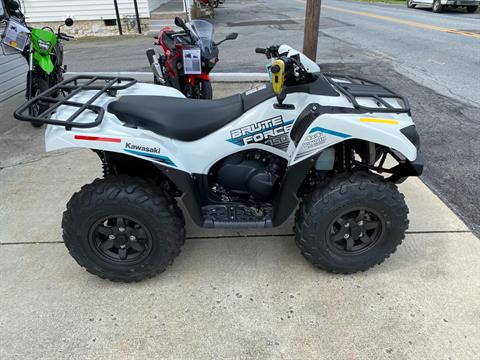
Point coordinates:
pixel 203 89
pixel 38 86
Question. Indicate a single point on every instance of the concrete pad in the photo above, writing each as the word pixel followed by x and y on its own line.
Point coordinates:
pixel 34 197
pixel 254 298
pixel 427 211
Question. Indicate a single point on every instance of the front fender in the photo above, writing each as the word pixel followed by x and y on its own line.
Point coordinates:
pixel 44 61
pixel 382 129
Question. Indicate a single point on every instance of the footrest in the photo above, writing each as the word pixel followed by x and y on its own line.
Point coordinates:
pixel 237 216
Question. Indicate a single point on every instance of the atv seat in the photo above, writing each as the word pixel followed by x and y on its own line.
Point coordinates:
pixel 191 119
pixel 177 118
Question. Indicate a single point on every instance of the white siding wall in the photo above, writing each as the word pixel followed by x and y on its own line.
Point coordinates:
pixel 59 10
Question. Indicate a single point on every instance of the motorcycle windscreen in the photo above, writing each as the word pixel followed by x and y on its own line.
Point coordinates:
pixel 44 61
pixel 204 32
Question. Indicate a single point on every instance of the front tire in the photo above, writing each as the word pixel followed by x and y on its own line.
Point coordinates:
pixel 203 89
pixel 437 6
pixel 123 228
pixel 39 86
pixel 410 4
pixel 352 224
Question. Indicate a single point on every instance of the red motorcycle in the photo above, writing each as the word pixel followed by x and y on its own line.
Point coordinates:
pixel 189 56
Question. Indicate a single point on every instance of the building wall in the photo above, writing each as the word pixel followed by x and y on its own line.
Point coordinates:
pixel 13 69
pixel 39 11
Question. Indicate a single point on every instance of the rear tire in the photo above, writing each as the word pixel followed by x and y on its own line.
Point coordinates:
pixel 123 228
pixel 351 224
pixel 410 4
pixel 472 9
pixel 437 6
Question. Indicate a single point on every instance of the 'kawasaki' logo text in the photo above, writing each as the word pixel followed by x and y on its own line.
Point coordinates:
pixel 142 148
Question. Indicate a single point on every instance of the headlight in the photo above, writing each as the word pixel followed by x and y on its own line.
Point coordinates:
pixel 44 45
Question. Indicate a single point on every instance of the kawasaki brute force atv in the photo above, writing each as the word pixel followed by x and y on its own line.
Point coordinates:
pixel 307 141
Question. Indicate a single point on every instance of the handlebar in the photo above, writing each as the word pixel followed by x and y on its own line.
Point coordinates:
pixel 180 34
pixel 65 37
pixel 269 52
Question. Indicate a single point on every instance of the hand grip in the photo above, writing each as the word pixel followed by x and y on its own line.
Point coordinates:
pixel 261 51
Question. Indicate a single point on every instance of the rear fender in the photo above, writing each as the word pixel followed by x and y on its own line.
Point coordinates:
pixel 137 143
pixel 111 134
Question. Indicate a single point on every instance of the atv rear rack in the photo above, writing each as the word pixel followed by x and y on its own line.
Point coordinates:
pixel 71 87
pixel 355 88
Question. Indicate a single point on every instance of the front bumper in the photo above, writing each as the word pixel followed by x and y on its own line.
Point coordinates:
pixel 410 168
pixel 463 3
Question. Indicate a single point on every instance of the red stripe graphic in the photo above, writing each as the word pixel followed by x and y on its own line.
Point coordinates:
pixel 97 138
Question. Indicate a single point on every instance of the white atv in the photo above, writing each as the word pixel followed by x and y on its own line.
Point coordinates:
pixel 308 140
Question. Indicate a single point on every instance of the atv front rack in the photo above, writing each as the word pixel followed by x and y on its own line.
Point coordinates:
pixel 355 88
pixel 60 95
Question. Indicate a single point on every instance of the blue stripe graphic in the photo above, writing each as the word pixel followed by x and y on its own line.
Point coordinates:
pixel 163 159
pixel 330 132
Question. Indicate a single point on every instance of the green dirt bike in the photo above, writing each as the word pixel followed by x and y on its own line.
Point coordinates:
pixel 44 54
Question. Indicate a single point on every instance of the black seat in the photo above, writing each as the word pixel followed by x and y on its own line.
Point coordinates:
pixel 177 118
pixel 191 119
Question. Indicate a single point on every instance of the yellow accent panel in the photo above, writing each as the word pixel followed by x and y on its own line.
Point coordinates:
pixel 278 75
pixel 380 121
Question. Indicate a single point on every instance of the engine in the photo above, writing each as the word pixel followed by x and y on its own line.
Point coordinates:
pixel 251 174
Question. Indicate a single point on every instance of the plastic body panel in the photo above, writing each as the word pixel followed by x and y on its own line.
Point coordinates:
pixel 262 127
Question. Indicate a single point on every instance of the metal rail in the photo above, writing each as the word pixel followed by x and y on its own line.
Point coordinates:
pixel 368 89
pixel 60 95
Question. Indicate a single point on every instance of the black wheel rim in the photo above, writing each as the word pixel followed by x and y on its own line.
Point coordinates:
pixel 355 231
pixel 120 240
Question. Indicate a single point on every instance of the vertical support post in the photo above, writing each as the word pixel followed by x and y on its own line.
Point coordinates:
pixel 118 17
pixel 187 8
pixel 139 26
pixel 312 23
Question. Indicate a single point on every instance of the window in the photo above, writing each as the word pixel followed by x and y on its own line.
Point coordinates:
pixel 110 22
